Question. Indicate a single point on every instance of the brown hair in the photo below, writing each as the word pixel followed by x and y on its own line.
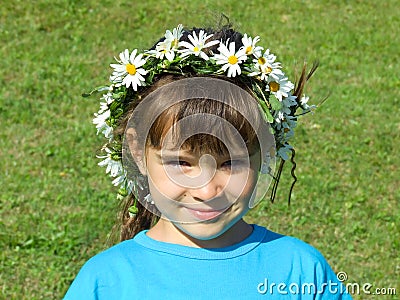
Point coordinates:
pixel 198 143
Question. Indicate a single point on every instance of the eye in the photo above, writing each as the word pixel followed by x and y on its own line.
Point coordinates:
pixel 177 163
pixel 234 165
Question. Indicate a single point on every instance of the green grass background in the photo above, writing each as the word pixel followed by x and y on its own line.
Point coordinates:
pixel 57 207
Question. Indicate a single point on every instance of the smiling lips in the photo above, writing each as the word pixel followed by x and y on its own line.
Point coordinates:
pixel 205 214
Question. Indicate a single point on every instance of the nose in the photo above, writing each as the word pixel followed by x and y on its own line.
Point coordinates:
pixel 212 189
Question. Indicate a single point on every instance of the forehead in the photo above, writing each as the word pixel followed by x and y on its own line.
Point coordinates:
pixel 165 154
pixel 223 118
pixel 207 96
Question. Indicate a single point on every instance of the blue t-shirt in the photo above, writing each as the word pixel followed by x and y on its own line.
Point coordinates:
pixel 263 266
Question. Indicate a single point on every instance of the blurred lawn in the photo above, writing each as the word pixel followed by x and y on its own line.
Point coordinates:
pixel 57 207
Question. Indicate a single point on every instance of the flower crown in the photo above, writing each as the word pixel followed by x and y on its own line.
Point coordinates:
pixel 135 70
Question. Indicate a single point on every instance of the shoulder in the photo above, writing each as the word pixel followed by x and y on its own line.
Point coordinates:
pixel 291 255
pixel 104 272
pixel 115 254
pixel 287 245
pixel 119 260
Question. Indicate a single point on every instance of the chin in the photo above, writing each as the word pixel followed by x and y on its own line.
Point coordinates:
pixel 203 234
pixel 205 231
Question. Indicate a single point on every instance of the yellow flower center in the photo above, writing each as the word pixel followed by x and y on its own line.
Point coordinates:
pixel 274 86
pixel 261 61
pixel 267 70
pixel 196 49
pixel 175 43
pixel 131 69
pixel 232 59
pixel 249 49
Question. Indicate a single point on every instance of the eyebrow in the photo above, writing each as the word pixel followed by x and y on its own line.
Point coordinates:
pixel 168 155
pixel 171 155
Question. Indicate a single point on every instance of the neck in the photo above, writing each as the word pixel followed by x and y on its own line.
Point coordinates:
pixel 166 231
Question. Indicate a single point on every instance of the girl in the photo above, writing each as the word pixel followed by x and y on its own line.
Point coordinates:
pixel 194 126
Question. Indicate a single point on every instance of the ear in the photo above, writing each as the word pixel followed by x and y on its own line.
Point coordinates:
pixel 136 150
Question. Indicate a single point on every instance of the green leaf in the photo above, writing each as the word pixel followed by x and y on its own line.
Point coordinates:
pixel 119 95
pixel 266 111
pixel 95 91
pixel 114 106
pixel 133 209
pixel 275 103
pixel 118 112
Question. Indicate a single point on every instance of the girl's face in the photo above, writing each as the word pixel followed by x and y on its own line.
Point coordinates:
pixel 203 195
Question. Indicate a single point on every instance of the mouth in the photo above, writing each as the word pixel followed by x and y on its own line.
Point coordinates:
pixel 205 214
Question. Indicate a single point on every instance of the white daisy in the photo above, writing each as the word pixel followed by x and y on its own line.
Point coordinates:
pixel 163 49
pixel 169 45
pixel 280 87
pixel 197 44
pixel 270 58
pixel 250 47
pixel 129 186
pixel 114 167
pixel 304 103
pixel 128 69
pixel 108 97
pixel 266 66
pixel 122 180
pixel 174 36
pixel 304 100
pixel 103 107
pixel 106 130
pixel 279 116
pixel 229 59
pixel 119 180
pixel 101 124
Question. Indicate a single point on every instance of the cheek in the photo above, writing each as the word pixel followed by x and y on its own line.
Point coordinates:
pixel 242 184
pixel 166 196
pixel 161 186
